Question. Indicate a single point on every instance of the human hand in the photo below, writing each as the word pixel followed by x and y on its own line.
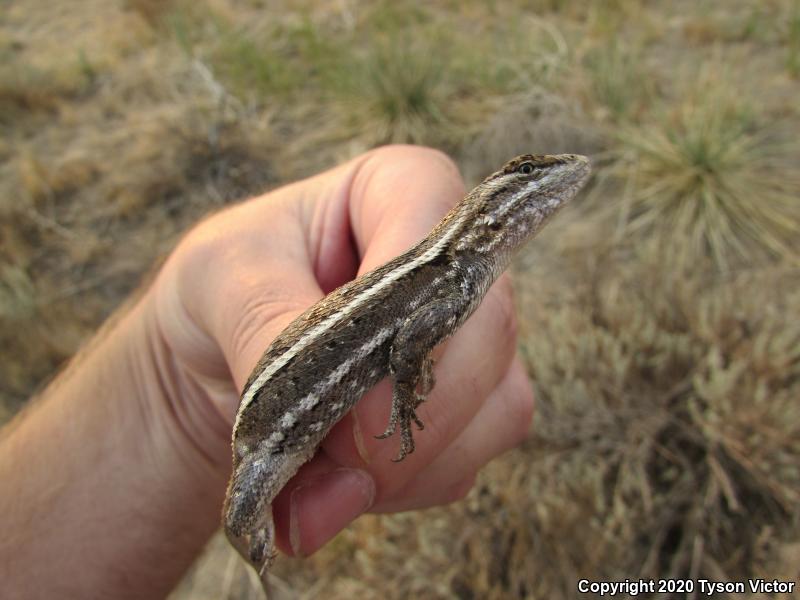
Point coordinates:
pixel 241 276
pixel 114 477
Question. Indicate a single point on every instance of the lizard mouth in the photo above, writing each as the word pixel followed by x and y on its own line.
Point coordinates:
pixel 565 179
pixel 577 167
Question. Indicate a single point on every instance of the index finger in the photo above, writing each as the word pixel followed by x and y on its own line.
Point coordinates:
pixel 399 194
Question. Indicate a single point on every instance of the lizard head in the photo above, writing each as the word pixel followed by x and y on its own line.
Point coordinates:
pixel 511 205
pixel 541 180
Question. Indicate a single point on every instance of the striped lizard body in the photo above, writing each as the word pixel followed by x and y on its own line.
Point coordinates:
pixel 384 323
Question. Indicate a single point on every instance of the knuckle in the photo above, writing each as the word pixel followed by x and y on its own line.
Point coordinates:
pixel 425 153
pixel 202 246
pixel 421 159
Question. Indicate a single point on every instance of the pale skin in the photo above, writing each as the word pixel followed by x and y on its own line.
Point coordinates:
pixel 114 478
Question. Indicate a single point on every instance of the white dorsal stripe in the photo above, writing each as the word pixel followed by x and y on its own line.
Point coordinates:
pixel 310 401
pixel 324 325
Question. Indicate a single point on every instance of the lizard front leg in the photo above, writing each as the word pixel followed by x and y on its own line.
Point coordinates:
pixel 411 366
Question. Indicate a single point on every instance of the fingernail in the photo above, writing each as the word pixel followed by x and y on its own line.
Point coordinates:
pixel 322 507
pixel 358 437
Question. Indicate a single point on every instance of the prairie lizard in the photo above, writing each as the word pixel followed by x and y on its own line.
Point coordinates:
pixel 384 323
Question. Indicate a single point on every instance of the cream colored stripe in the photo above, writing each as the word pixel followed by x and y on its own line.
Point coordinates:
pixel 364 297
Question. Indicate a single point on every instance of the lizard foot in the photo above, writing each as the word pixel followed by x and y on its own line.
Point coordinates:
pixel 404 405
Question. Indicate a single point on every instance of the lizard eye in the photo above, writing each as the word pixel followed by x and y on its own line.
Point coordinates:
pixel 525 168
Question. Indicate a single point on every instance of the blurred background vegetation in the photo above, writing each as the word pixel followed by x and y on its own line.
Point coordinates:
pixel 659 314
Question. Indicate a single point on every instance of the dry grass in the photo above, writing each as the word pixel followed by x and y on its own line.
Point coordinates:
pixel 619 81
pixel 793 42
pixel 397 92
pixel 668 417
pixel 656 314
pixel 707 179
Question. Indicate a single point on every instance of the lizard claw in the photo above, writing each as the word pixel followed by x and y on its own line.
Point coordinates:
pixel 406 437
pixel 389 430
pixel 417 421
pixel 404 404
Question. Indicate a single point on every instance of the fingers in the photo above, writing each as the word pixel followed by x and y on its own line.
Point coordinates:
pixel 398 194
pixel 321 500
pixel 242 275
pixel 471 365
pixel 502 422
pixel 324 497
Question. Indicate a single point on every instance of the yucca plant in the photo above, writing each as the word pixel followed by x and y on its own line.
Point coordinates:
pixel 707 181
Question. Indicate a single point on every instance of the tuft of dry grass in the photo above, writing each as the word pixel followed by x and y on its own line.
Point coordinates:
pixel 709 180
pixel 398 92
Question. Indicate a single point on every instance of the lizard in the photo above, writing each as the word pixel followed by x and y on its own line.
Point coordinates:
pixel 384 323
